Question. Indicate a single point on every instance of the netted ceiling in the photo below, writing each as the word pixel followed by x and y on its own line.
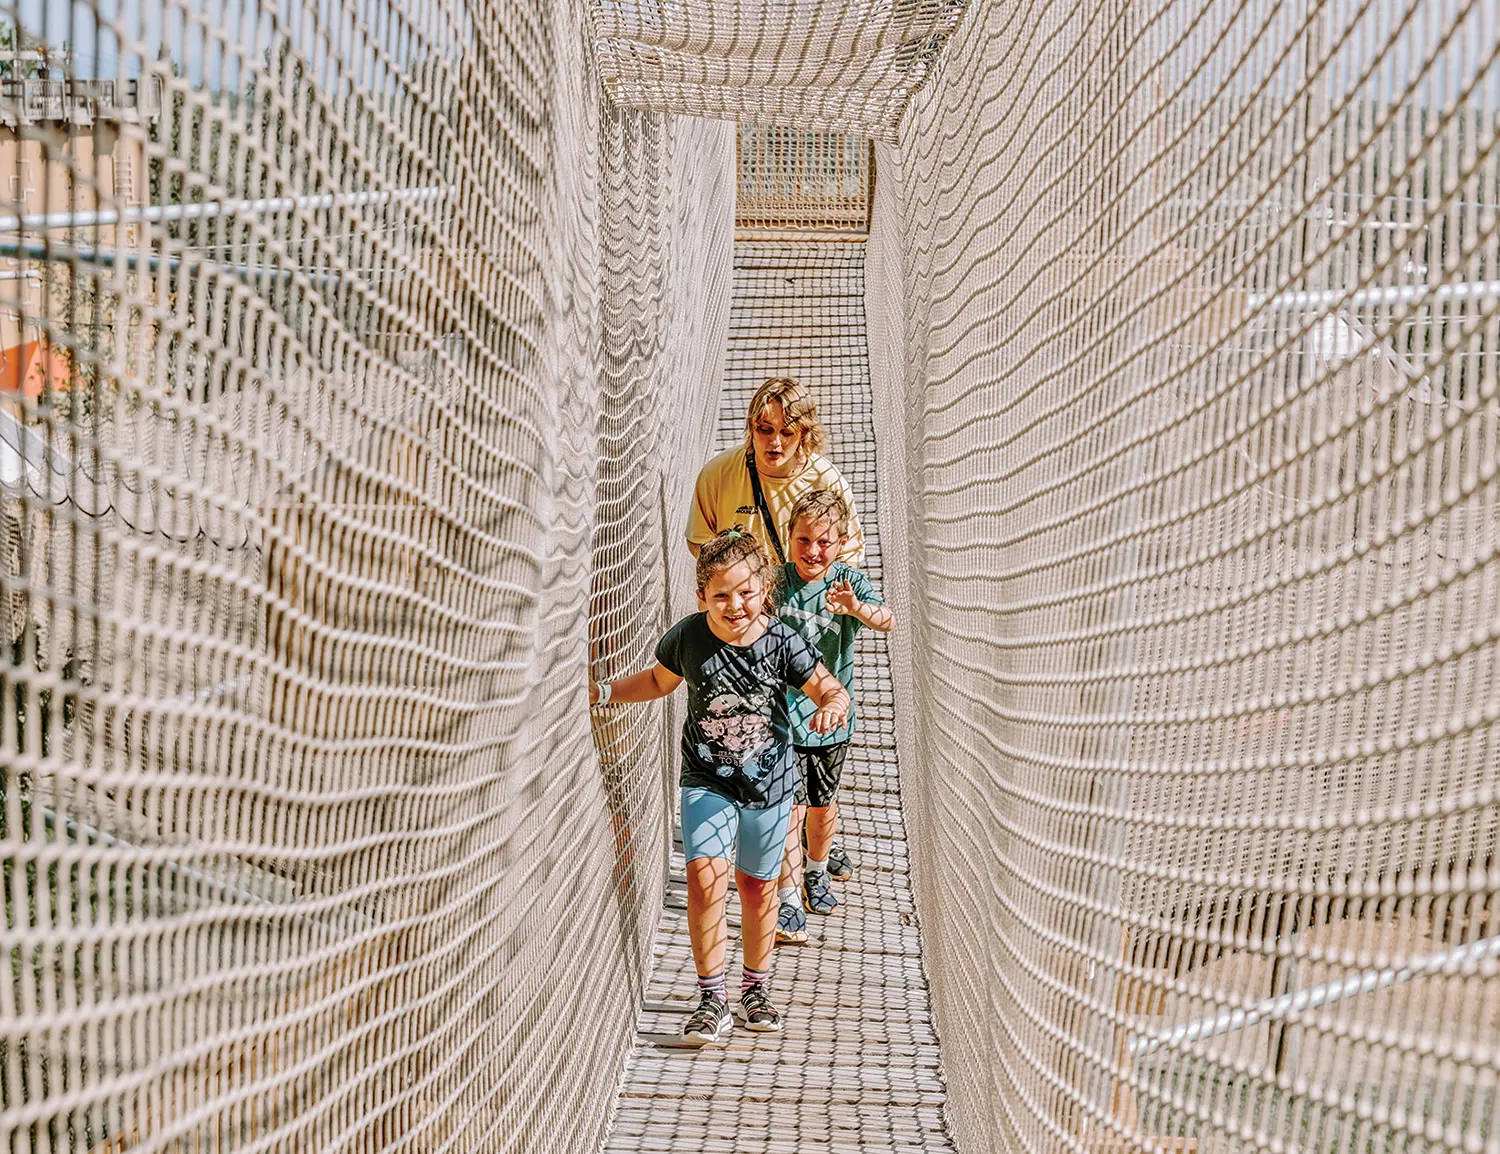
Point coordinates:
pixel 800 63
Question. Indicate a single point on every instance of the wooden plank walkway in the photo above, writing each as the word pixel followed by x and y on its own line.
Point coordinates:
pixel 857 1066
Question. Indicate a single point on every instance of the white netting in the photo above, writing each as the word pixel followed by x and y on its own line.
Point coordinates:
pixel 316 505
pixel 800 63
pixel 1201 515
pixel 305 841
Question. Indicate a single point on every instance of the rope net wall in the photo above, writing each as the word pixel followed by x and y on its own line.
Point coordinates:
pixel 310 477
pixel 1188 310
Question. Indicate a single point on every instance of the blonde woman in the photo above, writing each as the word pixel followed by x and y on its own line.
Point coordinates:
pixel 756 485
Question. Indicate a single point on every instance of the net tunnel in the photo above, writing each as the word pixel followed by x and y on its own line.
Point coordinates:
pixel 358 362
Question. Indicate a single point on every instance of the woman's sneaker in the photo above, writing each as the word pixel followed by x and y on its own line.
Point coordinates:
pixel 710 1022
pixel 791 925
pixel 818 895
pixel 840 864
pixel 760 1015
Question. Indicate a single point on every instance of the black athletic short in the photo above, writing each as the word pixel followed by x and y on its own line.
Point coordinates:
pixel 818 770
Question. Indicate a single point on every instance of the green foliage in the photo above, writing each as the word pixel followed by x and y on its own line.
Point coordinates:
pixel 9 69
pixel 193 157
pixel 18 688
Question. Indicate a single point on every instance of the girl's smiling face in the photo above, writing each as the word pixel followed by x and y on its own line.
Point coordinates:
pixel 734 598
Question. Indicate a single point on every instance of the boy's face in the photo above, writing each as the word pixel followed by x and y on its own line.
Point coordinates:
pixel 815 547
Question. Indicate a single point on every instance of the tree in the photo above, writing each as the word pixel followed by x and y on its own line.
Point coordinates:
pixel 16 53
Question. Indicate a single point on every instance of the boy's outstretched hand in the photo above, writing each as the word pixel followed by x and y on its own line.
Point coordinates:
pixel 829 718
pixel 832 700
pixel 841 599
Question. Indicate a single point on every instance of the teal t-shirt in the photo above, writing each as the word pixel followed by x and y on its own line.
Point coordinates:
pixel 800 605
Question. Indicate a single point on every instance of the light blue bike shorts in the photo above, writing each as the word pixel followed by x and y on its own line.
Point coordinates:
pixel 714 826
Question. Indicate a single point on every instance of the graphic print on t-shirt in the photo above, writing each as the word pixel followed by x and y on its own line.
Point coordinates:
pixel 812 625
pixel 738 730
pixel 734 738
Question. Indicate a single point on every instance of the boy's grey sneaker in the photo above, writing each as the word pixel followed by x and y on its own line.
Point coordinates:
pixel 710 1022
pixel 840 864
pixel 791 925
pixel 760 1015
pixel 818 895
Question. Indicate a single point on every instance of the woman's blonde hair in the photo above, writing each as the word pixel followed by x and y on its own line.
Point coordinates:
pixel 727 550
pixel 800 410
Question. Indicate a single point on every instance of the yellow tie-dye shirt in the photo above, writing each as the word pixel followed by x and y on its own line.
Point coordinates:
pixel 723 498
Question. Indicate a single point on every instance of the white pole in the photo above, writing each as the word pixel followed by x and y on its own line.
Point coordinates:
pixel 46 221
pixel 1383 295
pixel 1290 1005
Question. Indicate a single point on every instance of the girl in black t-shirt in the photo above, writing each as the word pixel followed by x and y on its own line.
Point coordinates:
pixel 738 774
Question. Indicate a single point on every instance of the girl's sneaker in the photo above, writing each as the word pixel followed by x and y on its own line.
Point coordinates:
pixel 760 1015
pixel 791 925
pixel 710 1022
pixel 818 895
pixel 840 864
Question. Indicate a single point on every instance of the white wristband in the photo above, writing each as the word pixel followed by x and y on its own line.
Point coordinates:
pixel 605 689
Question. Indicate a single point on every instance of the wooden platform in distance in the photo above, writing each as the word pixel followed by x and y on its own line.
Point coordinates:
pixel 856 1069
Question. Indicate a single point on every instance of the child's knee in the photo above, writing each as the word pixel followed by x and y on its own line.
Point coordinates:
pixel 713 864
pixel 757 891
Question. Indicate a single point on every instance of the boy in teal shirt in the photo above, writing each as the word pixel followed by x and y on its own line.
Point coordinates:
pixel 827 602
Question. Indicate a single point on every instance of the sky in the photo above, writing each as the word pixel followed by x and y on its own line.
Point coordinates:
pixel 1378 48
pixel 1221 41
pixel 121 37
